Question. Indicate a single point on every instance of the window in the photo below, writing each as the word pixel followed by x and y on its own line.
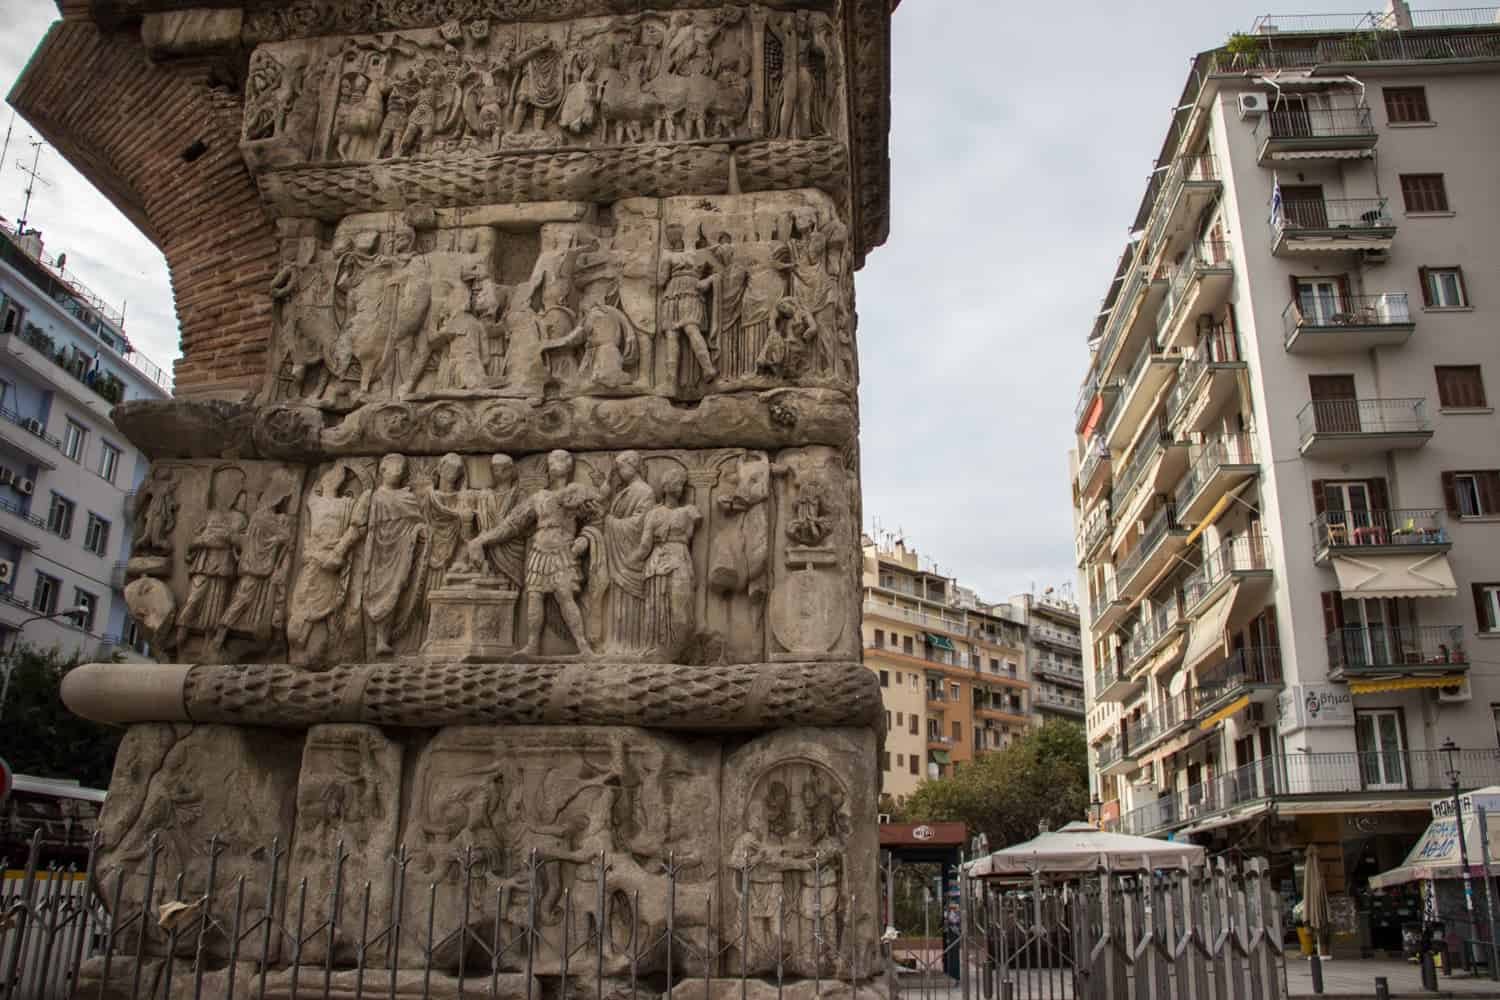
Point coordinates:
pixel 958 732
pixel 1377 737
pixel 60 516
pixel 955 690
pixel 12 318
pixel 912 760
pixel 96 535
pixel 44 599
pixel 1487 606
pixel 911 724
pixel 109 463
pixel 885 679
pixel 975 660
pixel 1404 105
pixel 1424 192
pixel 1443 288
pixel 1473 493
pixel 73 438
pixel 901 760
pixel 906 644
pixel 900 720
pixel 994 665
pixel 885 760
pixel 887 720
pixel 1460 386
pixel 83 599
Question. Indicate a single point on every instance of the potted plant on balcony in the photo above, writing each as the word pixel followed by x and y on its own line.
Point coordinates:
pixel 1244 49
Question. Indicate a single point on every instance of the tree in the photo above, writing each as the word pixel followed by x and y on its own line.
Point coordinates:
pixel 1040 778
pixel 39 736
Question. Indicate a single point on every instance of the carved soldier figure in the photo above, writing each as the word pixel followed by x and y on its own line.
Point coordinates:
pixel 395 556
pixel 258 607
pixel 684 311
pixel 155 513
pixel 553 517
pixel 666 538
pixel 609 348
pixel 335 524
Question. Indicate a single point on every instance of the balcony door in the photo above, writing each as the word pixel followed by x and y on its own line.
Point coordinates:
pixel 1320 300
pixel 1367 636
pixel 1335 406
pixel 1382 753
pixel 1347 505
pixel 1293 117
pixel 1303 207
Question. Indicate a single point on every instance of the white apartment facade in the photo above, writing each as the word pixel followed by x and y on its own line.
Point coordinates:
pixel 1054 654
pixel 1287 475
pixel 67 475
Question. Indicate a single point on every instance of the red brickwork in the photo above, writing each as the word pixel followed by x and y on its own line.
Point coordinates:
pixel 125 122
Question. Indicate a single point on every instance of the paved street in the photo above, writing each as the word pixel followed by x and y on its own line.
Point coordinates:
pixel 1355 978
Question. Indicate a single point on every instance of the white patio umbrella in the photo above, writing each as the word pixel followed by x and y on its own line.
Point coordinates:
pixel 1314 897
pixel 1079 848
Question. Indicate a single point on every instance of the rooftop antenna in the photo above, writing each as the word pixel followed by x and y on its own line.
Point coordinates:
pixel 35 176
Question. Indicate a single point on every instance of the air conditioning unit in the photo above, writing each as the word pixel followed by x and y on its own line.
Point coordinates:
pixel 7 571
pixel 1253 103
pixel 25 487
pixel 32 424
pixel 1455 693
pixel 7 475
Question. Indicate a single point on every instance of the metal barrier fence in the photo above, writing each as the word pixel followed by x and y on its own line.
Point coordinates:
pixel 143 933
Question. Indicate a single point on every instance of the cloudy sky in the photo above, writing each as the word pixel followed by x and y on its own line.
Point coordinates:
pixel 1022 138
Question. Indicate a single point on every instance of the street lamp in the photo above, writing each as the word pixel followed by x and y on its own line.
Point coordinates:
pixel 1096 810
pixel 76 612
pixel 1450 749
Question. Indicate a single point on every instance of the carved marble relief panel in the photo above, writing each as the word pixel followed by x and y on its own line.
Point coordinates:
pixel 473 86
pixel 682 298
pixel 815 561
pixel 210 569
pixel 522 815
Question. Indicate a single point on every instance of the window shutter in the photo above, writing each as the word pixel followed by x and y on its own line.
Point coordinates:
pixel 1320 499
pixel 1481 608
pixel 1463 287
pixel 1426 286
pixel 1380 497
pixel 1393 612
pixel 1333 612
pixel 1489 490
pixel 1450 494
pixel 1346 298
pixel 1296 294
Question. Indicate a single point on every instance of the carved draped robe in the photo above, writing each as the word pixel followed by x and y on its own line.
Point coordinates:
pixel 395 558
pixel 259 603
pixel 617 585
pixel 212 569
pixel 508 559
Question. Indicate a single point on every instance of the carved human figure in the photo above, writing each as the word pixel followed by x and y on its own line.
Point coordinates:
pixel 387 313
pixel 525 366
pixel 666 540
pixel 335 525
pixel 155 513
pixel 506 560
pixel 258 606
pixel 553 517
pixel 396 556
pixel 460 337
pixel 812 514
pixel 728 282
pixel 271 90
pixel 616 566
pixel 738 558
pixel 684 311
pixel 212 568
pixel 791 343
pixel 760 859
pixel 540 87
pixel 490 301
pixel 610 351
pixel 451 516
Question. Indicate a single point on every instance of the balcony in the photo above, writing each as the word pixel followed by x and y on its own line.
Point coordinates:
pixel 1095 389
pixel 1373 532
pixel 1047 667
pixel 1320 225
pixel 1156 460
pixel 1353 428
pixel 1353 775
pixel 1160 724
pixel 1315 135
pixel 1207 381
pixel 1046 635
pixel 1112 758
pixel 947 623
pixel 1200 285
pixel 1156 630
pixel 1410 650
pixel 26 530
pixel 1096 528
pixel 1057 701
pixel 1191 184
pixel 1093 471
pixel 1245 559
pixel 1112 682
pixel 1105 608
pixel 1162 538
pixel 1346 324
pixel 1151 370
pixel 1222 464
pixel 25 435
pixel 1250 675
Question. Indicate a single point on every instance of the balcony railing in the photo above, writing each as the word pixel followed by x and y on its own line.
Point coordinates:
pixel 1243 554
pixel 1056 636
pixel 1058 668
pixel 1156 530
pixel 1149 350
pixel 1318 215
pixel 1316 123
pixel 923 619
pixel 1109 753
pixel 1420 772
pixel 1163 719
pixel 1307 313
pixel 1418 647
pixel 1366 46
pixel 1056 699
pixel 1146 451
pixel 1230 449
pixel 1185 170
pixel 30 425
pixel 1362 416
pixel 1095 451
pixel 1372 529
pixel 1095 529
pixel 1245 667
pixel 1206 255
pixel 1135 277
pixel 14 511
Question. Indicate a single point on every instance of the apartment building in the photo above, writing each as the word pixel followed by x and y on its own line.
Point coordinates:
pixel 66 474
pixel 1054 655
pixel 1286 497
pixel 952 668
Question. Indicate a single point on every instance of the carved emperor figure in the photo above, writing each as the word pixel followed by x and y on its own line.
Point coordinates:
pixel 553 516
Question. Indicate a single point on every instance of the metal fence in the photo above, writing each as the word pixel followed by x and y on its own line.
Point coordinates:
pixel 145 933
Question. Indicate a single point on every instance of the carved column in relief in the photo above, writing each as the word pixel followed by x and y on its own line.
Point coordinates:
pixel 553 459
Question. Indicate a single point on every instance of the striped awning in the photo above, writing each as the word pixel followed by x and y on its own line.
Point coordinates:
pixel 1321 154
pixel 1395 576
pixel 1377 685
pixel 1226 712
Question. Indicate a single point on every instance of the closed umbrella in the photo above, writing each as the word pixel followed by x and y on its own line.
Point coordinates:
pixel 1314 898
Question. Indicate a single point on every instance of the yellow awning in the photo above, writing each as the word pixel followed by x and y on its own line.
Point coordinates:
pixel 1395 575
pixel 1206 633
pixel 1376 685
pixel 1227 711
pixel 1216 510
pixel 1165 656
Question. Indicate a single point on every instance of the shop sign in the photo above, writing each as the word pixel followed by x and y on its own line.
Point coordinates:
pixel 1314 706
pixel 1483 799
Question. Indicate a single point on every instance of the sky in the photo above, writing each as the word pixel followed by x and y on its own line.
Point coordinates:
pixel 1021 140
